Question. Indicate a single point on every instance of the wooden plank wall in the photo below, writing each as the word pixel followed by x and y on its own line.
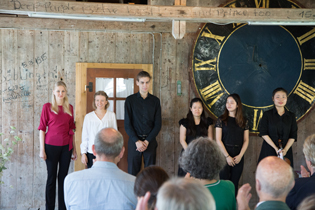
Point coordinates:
pixel 32 60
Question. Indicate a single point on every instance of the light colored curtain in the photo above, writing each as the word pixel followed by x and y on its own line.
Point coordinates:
pixel 124 87
pixel 120 109
pixel 105 84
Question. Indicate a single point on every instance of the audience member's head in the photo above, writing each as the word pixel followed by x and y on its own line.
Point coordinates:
pixel 308 203
pixel 109 143
pixel 150 179
pixel 203 159
pixel 184 194
pixel 274 178
pixel 309 151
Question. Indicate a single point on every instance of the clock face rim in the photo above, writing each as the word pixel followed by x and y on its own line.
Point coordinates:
pixel 192 76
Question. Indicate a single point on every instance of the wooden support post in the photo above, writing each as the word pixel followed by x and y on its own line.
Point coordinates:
pixel 179 26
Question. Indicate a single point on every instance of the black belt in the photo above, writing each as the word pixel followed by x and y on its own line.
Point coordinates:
pixel 142 137
pixel 230 145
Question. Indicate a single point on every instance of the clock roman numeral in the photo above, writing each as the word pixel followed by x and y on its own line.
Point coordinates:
pixel 234 6
pixel 304 38
pixel 218 38
pixel 212 63
pixel 257 118
pixel 309 64
pixel 262 3
pixel 212 91
pixel 305 91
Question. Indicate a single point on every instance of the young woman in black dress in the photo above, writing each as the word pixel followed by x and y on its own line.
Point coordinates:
pixel 278 124
pixel 195 125
pixel 232 136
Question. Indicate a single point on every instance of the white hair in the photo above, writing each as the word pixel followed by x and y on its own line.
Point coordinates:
pixel 184 194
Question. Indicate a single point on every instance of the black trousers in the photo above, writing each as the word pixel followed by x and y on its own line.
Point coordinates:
pixel 56 155
pixel 135 157
pixel 233 173
pixel 90 158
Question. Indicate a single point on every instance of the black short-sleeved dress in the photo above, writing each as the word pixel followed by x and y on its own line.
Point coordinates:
pixel 232 134
pixel 190 138
pixel 232 139
pixel 277 127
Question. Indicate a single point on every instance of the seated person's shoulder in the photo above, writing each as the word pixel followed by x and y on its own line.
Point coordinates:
pixel 227 184
pixel 129 177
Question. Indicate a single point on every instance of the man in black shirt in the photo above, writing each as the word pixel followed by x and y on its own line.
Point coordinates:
pixel 142 124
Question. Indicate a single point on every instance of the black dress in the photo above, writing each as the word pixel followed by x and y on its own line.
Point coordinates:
pixel 277 127
pixel 232 139
pixel 190 138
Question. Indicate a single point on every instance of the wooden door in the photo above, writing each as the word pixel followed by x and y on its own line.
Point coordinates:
pixel 118 84
pixel 118 81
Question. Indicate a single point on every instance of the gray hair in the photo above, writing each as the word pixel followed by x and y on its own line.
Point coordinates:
pixel 203 159
pixel 309 149
pixel 184 194
pixel 110 144
pixel 308 203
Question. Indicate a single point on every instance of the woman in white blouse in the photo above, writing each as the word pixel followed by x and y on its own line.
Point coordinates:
pixel 94 122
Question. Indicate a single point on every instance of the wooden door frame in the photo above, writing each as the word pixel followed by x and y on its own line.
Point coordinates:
pixel 80 96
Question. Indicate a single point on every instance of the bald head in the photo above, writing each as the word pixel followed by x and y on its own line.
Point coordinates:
pixel 275 177
pixel 108 142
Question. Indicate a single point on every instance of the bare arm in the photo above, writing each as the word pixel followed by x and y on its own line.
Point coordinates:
pixel 42 153
pixel 84 141
pixel 229 159
pixel 270 142
pixel 74 150
pixel 246 141
pixel 210 132
pixel 287 146
pixel 182 136
pixel 238 158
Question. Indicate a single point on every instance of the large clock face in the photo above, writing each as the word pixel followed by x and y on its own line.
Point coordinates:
pixel 252 61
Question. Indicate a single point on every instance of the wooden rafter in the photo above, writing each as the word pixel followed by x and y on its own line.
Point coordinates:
pixel 158 13
pixel 89 25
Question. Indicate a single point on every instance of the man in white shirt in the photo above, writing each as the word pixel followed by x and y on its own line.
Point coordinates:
pixel 104 186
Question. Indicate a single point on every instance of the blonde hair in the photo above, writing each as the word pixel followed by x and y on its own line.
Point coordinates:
pixel 65 105
pixel 100 93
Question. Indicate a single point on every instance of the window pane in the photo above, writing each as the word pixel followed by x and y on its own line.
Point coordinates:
pixel 120 109
pixel 111 105
pixel 124 87
pixel 105 84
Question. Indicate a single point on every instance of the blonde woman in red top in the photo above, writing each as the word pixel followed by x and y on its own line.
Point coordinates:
pixel 57 144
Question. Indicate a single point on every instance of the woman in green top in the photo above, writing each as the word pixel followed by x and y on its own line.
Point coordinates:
pixel 203 160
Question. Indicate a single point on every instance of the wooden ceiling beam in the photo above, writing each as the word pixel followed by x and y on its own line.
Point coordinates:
pixel 158 13
pixel 89 25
